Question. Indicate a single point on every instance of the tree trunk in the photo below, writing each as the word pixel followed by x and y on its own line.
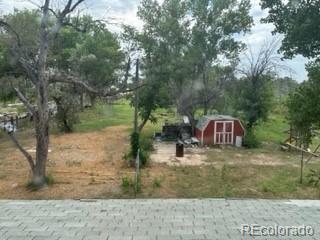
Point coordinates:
pixel 42 113
pixel 81 102
pixel 205 108
pixel 42 134
pixel 136 99
pixel 92 100
pixel 141 126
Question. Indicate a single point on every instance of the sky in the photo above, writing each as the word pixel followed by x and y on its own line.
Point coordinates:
pixel 124 12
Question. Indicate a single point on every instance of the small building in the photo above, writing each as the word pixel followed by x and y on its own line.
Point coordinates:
pixel 219 130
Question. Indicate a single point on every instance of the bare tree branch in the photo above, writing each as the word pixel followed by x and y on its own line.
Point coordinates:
pixel 25 101
pixel 10 29
pixel 22 150
pixel 67 78
pixel 69 8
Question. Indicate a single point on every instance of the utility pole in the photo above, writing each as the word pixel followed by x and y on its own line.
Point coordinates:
pixel 136 98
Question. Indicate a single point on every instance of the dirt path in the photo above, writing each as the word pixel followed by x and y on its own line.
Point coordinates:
pixel 82 165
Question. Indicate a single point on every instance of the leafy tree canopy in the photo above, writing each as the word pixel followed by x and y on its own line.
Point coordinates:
pixel 299 22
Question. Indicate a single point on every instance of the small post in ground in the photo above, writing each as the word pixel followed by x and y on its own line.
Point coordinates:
pixel 136 189
pixel 301 170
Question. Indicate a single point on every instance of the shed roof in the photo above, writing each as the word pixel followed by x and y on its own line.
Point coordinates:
pixel 204 121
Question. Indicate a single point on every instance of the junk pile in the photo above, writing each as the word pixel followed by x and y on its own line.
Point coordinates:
pixel 180 132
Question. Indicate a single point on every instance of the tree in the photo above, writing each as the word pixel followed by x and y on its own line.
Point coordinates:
pixel 299 22
pixel 11 73
pixel 213 89
pixel 182 39
pixel 41 71
pixel 256 92
pixel 68 106
pixel 98 57
pixel 302 113
pixel 33 60
pixel 212 38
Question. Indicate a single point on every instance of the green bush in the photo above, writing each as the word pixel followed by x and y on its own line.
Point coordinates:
pixel 157 182
pixel 251 140
pixel 49 179
pixel 135 146
pixel 127 183
pixel 68 108
pixel 314 177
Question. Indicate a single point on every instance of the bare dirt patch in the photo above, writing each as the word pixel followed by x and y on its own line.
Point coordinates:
pixel 165 152
pixel 235 156
pixel 82 164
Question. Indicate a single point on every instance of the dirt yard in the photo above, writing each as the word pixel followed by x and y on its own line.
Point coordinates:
pixel 165 152
pixel 82 165
pixel 91 165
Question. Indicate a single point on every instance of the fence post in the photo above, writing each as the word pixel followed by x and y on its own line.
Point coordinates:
pixel 137 172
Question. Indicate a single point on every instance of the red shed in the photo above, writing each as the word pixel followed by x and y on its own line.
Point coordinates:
pixel 219 129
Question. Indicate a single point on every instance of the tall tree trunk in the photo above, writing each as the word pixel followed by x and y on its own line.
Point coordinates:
pixel 42 133
pixel 205 108
pixel 205 92
pixel 81 102
pixel 92 100
pixel 126 76
pixel 42 114
pixel 136 99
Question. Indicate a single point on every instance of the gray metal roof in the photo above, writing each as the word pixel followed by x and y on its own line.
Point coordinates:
pixel 203 121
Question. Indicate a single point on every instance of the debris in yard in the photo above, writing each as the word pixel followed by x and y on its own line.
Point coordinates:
pixel 176 130
pixel 179 149
pixel 33 150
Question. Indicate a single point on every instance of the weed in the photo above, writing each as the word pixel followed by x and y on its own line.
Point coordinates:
pixel 224 172
pixel 49 179
pixel 72 163
pixel 265 188
pixel 92 180
pixel 3 176
pixel 157 182
pixel 127 183
pixel 251 140
pixel 227 191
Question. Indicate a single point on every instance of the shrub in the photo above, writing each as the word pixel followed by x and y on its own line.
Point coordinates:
pixel 127 183
pixel 250 139
pixel 68 107
pixel 157 182
pixel 314 177
pixel 135 146
pixel 135 143
pixel 49 179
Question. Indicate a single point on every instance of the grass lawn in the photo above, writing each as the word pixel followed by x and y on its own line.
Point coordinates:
pixel 105 115
pixel 273 130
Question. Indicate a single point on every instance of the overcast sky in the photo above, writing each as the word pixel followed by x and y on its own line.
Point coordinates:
pixel 124 11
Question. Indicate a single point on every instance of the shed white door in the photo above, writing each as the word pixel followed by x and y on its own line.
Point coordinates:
pixel 223 132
